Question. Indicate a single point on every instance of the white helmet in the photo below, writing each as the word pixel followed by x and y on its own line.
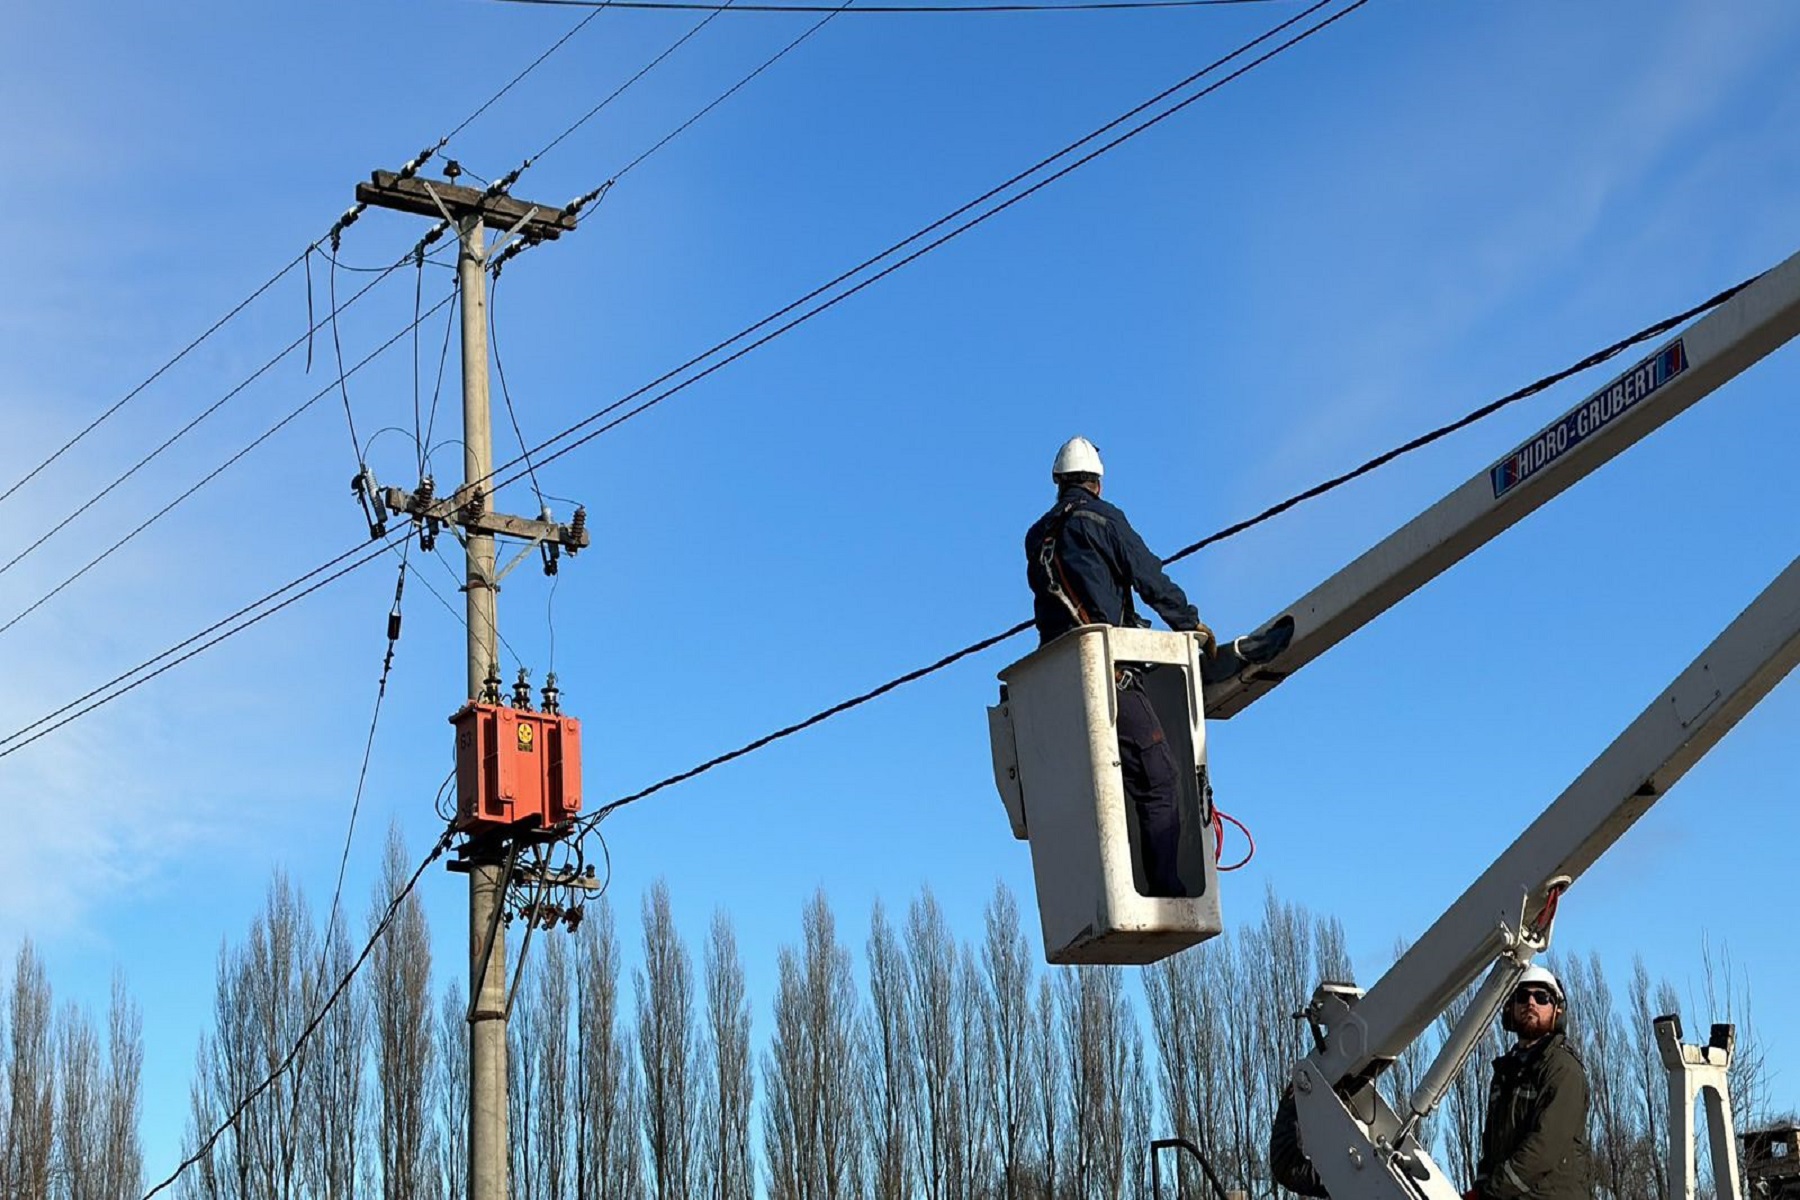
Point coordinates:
pixel 1542 977
pixel 1078 456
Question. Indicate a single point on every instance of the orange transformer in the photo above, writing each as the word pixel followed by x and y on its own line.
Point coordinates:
pixel 515 768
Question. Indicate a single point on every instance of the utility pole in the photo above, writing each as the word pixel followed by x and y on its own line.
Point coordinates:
pixel 488 858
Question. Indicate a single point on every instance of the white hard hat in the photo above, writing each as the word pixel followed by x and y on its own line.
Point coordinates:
pixel 1078 456
pixel 1542 977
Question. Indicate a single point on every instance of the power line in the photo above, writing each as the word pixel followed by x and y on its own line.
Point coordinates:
pixel 888 270
pixel 532 66
pixel 262 437
pixel 1230 531
pixel 214 407
pixel 524 448
pixel 362 773
pixel 644 70
pixel 337 346
pixel 829 11
pixel 1079 6
pixel 506 392
pixel 362 777
pixel 67 714
pixel 978 219
pixel 158 373
pixel 343 985
pixel 462 585
pixel 337 228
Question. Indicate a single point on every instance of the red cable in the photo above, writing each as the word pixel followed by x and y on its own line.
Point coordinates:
pixel 1220 816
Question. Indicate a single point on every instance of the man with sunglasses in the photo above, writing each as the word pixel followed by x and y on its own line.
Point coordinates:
pixel 1534 1144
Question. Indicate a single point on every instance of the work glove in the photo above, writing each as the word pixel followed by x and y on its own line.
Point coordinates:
pixel 1209 645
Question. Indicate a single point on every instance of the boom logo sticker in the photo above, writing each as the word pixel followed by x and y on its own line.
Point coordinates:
pixel 1588 418
pixel 527 737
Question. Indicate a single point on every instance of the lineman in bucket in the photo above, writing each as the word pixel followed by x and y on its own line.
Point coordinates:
pixel 1084 561
pixel 1534 1143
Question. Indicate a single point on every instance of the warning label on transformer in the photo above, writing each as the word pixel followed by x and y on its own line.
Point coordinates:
pixel 1588 418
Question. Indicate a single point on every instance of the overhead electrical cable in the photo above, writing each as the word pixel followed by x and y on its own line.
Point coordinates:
pixel 462 585
pixel 198 643
pixel 260 438
pixel 437 389
pixel 343 985
pixel 878 9
pixel 128 397
pixel 644 70
pixel 868 263
pixel 214 407
pixel 1230 531
pixel 517 79
pixel 337 346
pixel 728 93
pixel 512 414
pixel 43 725
pixel 362 773
pixel 362 778
pixel 298 260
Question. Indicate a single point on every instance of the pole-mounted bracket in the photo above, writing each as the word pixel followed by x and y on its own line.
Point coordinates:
pixel 433 198
pixel 467 510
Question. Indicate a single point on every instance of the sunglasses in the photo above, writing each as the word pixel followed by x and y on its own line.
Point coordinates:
pixel 1534 996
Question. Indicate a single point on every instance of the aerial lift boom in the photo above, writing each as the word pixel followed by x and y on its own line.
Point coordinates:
pixel 1067 805
pixel 1070 808
pixel 1362 1149
pixel 1681 371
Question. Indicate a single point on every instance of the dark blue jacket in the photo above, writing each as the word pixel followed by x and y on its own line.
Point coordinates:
pixel 1102 561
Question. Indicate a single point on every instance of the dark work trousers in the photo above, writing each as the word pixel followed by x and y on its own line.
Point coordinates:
pixel 1148 767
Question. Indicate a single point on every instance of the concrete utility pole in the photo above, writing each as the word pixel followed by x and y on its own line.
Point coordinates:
pixel 487 859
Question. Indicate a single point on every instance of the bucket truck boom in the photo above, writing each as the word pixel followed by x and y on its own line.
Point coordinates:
pixel 1363 1149
pixel 1683 370
pixel 1054 747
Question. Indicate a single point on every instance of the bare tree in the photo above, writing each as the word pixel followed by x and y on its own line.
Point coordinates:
pixel 541 1071
pixel 450 1063
pixel 788 1087
pixel 31 1080
pixel 1104 1105
pixel 80 1146
pixel 1650 1085
pixel 890 1078
pixel 1725 998
pixel 258 1013
pixel 557 1080
pixel 1595 1028
pixel 727 1169
pixel 835 1020
pixel 1006 975
pixel 122 1164
pixel 932 1001
pixel 400 1003
pixel 1188 999
pixel 1047 1060
pixel 667 1046
pixel 331 1092
pixel 974 1065
pixel 608 1161
pixel 1465 1105
pixel 812 1133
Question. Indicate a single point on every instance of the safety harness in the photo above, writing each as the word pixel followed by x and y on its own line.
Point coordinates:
pixel 1056 579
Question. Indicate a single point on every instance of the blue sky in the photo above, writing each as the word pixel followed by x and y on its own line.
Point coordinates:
pixel 1417 211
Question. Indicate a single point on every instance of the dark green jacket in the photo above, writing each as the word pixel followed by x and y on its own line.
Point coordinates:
pixel 1535 1145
